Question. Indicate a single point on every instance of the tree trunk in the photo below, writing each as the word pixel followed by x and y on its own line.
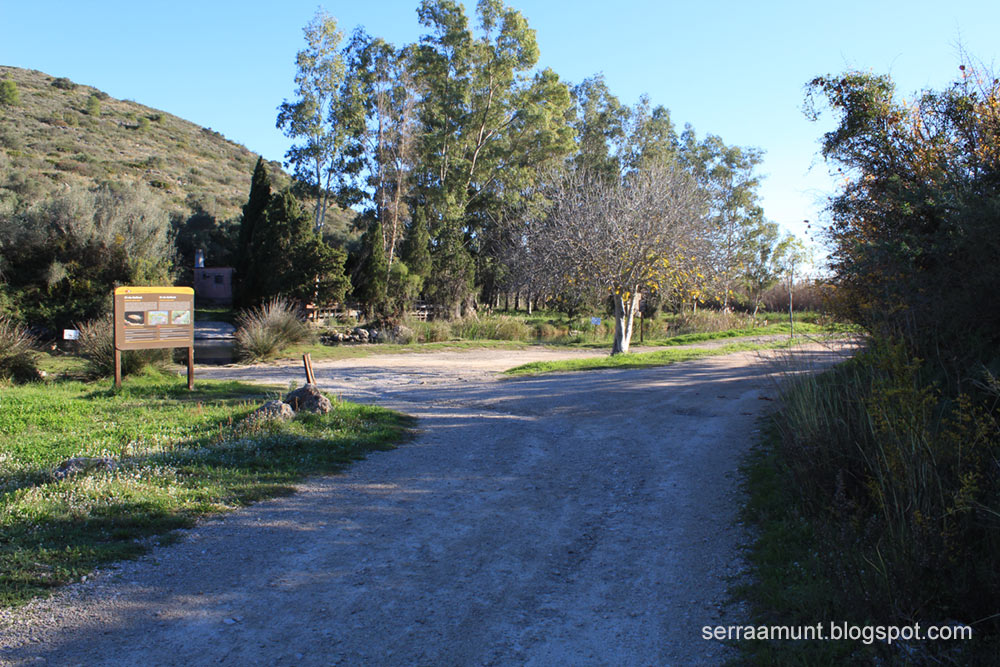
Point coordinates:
pixel 624 319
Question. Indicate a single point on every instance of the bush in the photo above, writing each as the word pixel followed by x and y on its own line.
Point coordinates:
pixel 9 96
pixel 266 330
pixel 17 357
pixel 63 83
pixel 97 346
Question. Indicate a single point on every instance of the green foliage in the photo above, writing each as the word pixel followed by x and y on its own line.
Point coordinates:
pixel 63 83
pixel 898 486
pixel 74 248
pixel 18 360
pixel 312 118
pixel 93 107
pixel 914 235
pixel 265 331
pixel 279 251
pixel 374 275
pixel 9 95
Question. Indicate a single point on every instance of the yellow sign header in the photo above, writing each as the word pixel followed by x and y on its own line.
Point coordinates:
pixel 154 290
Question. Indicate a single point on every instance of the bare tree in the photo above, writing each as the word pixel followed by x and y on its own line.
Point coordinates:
pixel 622 237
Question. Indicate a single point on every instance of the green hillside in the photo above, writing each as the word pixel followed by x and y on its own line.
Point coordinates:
pixel 49 138
pixel 63 133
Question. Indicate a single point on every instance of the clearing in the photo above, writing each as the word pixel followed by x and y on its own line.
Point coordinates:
pixel 556 519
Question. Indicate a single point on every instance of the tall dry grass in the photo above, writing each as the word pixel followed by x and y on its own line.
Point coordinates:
pixel 901 485
pixel 266 330
pixel 18 362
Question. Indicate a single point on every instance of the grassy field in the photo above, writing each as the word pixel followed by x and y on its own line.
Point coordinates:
pixel 645 359
pixel 175 455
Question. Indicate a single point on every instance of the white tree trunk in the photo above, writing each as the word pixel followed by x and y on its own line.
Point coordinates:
pixel 624 318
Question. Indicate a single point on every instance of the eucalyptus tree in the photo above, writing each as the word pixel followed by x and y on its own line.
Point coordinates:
pixel 380 118
pixel 488 121
pixel 601 125
pixel 728 174
pixel 314 118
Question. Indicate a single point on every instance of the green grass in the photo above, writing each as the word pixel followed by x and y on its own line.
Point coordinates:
pixel 788 583
pixel 178 455
pixel 643 359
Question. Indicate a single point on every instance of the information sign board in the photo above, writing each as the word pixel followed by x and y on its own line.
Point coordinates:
pixel 151 317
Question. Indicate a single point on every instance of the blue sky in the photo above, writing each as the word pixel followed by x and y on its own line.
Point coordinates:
pixel 735 69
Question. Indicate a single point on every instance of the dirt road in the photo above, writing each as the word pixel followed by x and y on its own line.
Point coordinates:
pixel 584 518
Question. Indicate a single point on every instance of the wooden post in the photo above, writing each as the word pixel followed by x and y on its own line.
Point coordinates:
pixel 118 368
pixel 307 363
pixel 190 369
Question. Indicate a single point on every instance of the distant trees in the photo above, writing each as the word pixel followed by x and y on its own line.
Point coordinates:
pixel 444 149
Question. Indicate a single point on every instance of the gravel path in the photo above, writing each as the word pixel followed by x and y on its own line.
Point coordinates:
pixel 584 518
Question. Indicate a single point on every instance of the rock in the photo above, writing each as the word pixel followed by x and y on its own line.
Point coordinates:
pixel 308 397
pixel 80 464
pixel 274 410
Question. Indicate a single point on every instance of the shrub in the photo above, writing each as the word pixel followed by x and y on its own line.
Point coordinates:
pixel 9 95
pixel 93 106
pixel 266 330
pixel 97 346
pixel 434 331
pixel 17 357
pixel 63 83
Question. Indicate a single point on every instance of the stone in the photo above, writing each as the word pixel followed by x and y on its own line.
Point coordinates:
pixel 79 464
pixel 274 410
pixel 308 397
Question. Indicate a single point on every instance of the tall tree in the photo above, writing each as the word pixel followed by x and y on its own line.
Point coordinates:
pixel 728 174
pixel 248 244
pixel 622 237
pixel 601 123
pixel 380 114
pixel 314 117
pixel 487 120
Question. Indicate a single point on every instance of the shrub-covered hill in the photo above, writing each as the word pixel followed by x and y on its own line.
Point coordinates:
pixel 59 132
pixel 96 192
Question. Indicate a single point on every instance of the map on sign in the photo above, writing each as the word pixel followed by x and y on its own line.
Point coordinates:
pixel 150 317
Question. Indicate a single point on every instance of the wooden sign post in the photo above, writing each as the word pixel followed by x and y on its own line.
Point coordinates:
pixel 154 317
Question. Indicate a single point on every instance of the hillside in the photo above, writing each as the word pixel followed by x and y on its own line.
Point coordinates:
pixel 61 132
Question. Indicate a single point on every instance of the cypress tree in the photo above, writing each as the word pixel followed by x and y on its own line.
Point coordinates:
pixel 247 250
pixel 373 280
pixel 416 248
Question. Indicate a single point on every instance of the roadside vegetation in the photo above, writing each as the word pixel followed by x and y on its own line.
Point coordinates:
pixel 877 494
pixel 89 474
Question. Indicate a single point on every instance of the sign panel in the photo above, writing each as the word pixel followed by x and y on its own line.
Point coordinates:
pixel 151 317
pixel 71 334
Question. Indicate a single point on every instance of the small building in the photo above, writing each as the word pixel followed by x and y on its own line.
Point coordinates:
pixel 214 285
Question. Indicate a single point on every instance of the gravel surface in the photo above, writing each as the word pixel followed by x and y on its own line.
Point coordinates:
pixel 579 518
